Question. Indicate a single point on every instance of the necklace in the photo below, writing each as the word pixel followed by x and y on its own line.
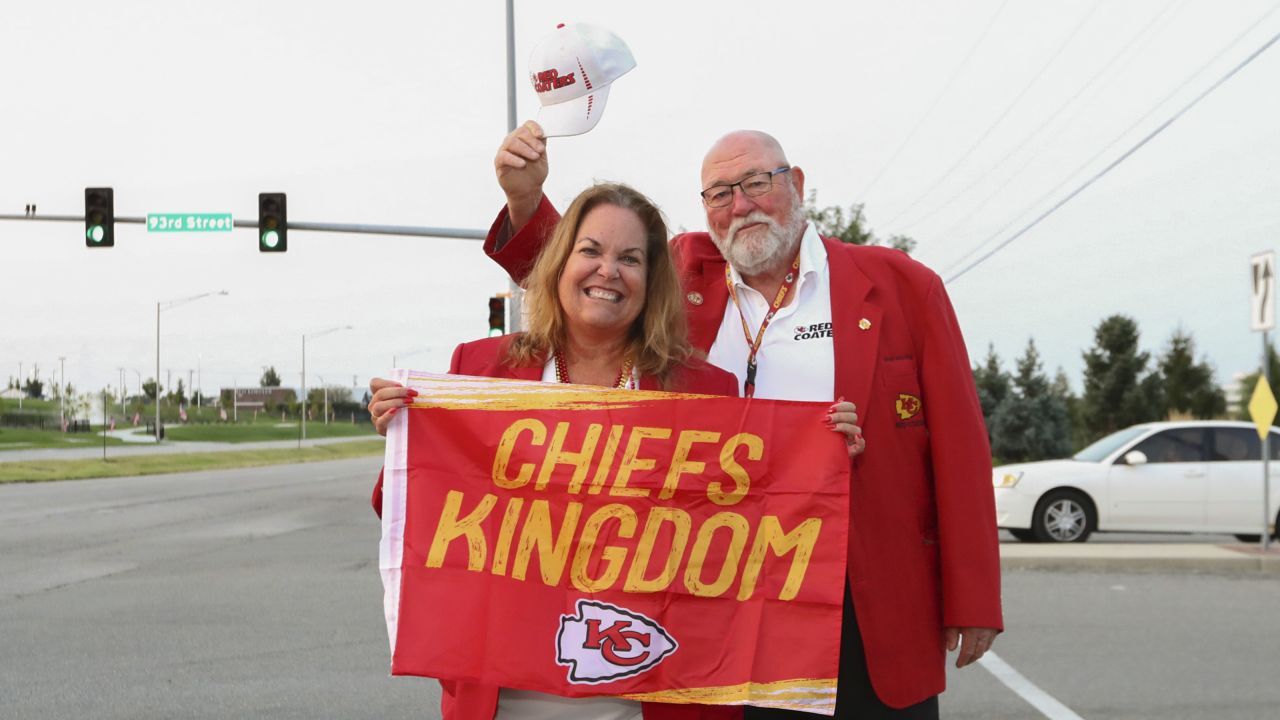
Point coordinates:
pixel 624 377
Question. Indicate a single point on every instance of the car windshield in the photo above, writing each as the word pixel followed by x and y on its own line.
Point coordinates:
pixel 1098 451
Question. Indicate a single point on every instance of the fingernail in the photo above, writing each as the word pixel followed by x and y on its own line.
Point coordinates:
pixel 857 437
pixel 392 411
pixel 840 399
pixel 412 392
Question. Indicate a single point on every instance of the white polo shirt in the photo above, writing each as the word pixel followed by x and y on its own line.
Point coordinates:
pixel 797 358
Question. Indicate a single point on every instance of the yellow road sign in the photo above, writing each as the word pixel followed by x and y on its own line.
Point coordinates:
pixel 1262 407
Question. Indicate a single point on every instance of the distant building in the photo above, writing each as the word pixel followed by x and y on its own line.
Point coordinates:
pixel 257 398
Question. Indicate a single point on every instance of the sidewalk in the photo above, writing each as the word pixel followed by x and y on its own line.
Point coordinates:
pixel 150 448
pixel 1139 557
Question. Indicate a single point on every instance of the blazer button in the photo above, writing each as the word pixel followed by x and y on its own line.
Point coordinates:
pixel 864 324
pixel 695 298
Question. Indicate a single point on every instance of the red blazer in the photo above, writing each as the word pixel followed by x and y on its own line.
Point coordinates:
pixel 923 549
pixel 484 358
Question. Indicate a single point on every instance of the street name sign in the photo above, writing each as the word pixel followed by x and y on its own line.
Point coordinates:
pixel 1263 304
pixel 189 222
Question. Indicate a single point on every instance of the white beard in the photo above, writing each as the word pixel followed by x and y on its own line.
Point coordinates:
pixel 762 249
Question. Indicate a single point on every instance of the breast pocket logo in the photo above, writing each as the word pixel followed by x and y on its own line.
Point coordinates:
pixel 908 406
pixel 603 642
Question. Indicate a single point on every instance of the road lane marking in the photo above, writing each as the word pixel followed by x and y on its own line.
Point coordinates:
pixel 1027 690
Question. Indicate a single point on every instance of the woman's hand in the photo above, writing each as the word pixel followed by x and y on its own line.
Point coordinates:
pixel 388 397
pixel 521 165
pixel 843 418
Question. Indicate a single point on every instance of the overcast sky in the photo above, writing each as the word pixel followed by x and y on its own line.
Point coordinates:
pixel 956 123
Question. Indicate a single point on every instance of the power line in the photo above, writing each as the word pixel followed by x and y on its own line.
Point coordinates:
pixel 1049 120
pixel 1118 160
pixel 946 87
pixel 996 123
pixel 1189 79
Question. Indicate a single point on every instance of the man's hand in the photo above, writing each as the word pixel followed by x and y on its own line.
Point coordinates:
pixel 521 164
pixel 974 642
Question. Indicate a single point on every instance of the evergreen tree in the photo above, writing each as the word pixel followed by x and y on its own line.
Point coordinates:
pixel 1118 391
pixel 269 377
pixel 1031 423
pixel 1061 388
pixel 1188 386
pixel 993 385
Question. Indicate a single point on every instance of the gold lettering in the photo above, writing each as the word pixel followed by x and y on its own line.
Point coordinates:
pixel 606 459
pixel 580 460
pixel 612 556
pixel 681 524
pixel 770 536
pixel 502 551
pixel 452 527
pixel 739 529
pixel 503 457
pixel 537 533
pixel 631 463
pixel 741 480
pixel 680 464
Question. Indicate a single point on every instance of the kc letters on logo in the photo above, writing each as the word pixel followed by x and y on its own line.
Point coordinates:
pixel 581 541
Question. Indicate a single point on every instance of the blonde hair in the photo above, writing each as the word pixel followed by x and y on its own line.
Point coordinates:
pixel 659 337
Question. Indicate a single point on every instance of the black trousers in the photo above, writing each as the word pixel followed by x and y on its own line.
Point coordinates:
pixel 855 699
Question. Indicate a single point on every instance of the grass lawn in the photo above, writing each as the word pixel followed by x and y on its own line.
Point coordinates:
pixel 253 432
pixel 24 439
pixel 47 470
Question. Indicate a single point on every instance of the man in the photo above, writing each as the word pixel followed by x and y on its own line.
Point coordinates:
pixel 800 317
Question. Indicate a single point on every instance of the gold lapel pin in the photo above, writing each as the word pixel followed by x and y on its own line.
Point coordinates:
pixel 864 324
pixel 695 298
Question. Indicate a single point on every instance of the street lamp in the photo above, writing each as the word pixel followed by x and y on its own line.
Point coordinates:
pixel 313 335
pixel 169 305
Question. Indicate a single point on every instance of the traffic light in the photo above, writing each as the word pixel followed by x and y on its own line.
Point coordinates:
pixel 497 316
pixel 273 224
pixel 99 217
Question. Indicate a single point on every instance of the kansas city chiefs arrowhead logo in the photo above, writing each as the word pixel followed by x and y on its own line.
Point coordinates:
pixel 603 642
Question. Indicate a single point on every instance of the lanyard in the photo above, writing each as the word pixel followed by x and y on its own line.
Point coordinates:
pixel 749 385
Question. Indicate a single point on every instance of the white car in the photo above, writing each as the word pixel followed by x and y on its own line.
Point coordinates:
pixel 1191 476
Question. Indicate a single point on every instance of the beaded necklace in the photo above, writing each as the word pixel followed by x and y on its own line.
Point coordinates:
pixel 625 381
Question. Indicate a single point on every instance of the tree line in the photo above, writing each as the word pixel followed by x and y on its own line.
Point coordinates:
pixel 1032 417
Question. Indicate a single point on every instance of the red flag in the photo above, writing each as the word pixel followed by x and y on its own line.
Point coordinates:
pixel 582 541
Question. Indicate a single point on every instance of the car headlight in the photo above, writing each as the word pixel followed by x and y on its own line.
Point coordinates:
pixel 1006 480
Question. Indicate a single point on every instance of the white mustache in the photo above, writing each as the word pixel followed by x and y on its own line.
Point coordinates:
pixel 756 216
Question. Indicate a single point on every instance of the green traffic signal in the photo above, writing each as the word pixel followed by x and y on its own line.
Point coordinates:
pixel 273 222
pixel 99 217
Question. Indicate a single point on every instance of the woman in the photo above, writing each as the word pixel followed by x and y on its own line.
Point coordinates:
pixel 605 308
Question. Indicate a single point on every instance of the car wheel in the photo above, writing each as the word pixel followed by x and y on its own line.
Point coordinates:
pixel 1023 535
pixel 1063 516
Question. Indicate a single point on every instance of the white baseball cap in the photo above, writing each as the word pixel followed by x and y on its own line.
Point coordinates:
pixel 571 70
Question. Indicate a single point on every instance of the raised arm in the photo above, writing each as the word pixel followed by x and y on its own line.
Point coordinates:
pixel 526 222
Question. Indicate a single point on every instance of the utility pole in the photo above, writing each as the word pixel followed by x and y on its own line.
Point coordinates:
pixel 62 379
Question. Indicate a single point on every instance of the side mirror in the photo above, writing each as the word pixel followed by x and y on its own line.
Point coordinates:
pixel 1135 457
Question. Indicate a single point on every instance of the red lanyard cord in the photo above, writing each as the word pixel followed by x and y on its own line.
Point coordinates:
pixel 788 282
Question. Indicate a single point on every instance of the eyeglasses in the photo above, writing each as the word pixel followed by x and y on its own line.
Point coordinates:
pixel 753 186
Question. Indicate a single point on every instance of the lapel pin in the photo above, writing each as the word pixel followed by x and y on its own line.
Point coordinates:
pixel 695 298
pixel 864 324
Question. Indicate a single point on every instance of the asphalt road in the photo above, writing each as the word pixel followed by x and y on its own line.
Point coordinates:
pixel 255 593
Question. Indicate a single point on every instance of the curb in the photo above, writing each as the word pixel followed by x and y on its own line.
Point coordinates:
pixel 1141 558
